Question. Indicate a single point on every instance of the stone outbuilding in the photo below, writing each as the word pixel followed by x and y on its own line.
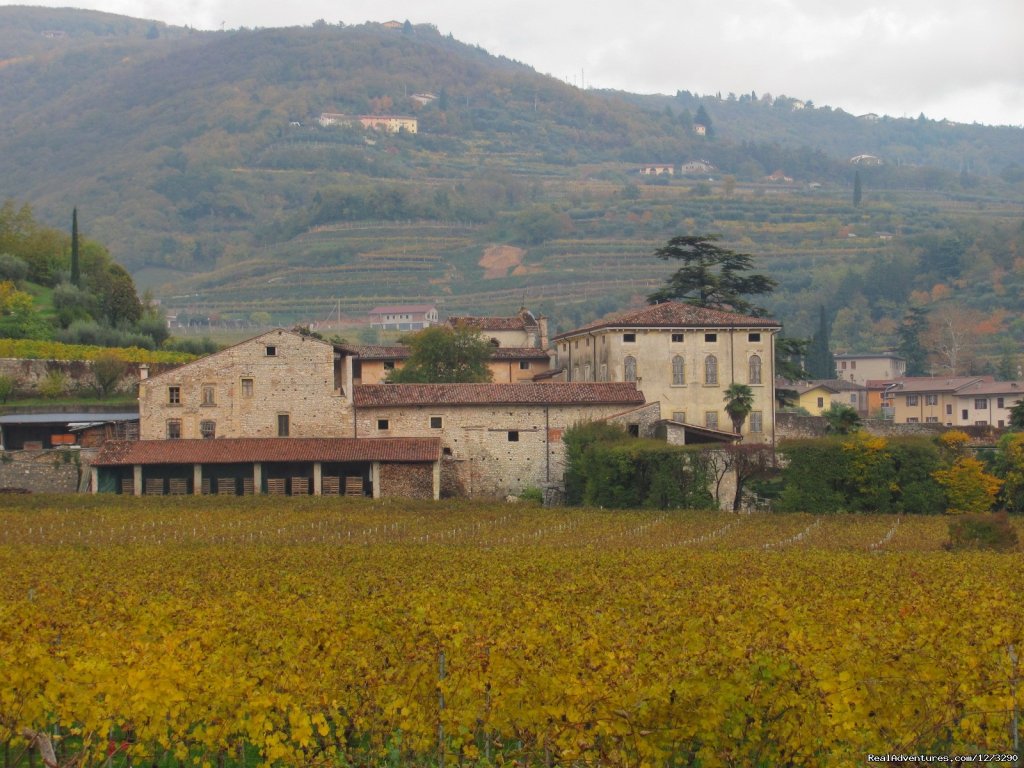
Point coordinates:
pixel 408 467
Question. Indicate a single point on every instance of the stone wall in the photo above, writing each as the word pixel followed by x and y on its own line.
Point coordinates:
pixel 643 418
pixel 492 450
pixel 29 374
pixel 250 385
pixel 792 426
pixel 410 481
pixel 56 471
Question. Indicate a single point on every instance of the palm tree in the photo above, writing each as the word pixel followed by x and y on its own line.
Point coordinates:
pixel 841 419
pixel 739 402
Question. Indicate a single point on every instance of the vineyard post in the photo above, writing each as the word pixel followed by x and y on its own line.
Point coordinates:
pixel 440 715
pixel 1013 695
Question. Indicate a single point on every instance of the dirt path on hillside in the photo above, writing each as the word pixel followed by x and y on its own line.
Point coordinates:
pixel 499 259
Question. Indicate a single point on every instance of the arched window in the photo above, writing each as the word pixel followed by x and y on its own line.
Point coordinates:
pixel 629 368
pixel 710 369
pixel 575 373
pixel 586 372
pixel 755 369
pixel 678 371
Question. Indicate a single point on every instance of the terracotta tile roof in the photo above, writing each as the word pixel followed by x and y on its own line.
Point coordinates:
pixel 675 314
pixel 395 309
pixel 518 353
pixel 515 323
pixel 376 351
pixel 399 352
pixel 868 356
pixel 1012 388
pixel 555 393
pixel 247 450
pixel 918 384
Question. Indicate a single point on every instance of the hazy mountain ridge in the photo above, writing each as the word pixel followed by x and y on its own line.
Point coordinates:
pixel 180 149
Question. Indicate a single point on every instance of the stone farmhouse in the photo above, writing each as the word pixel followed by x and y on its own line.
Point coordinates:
pixel 283 413
pixel 683 357
pixel 287 413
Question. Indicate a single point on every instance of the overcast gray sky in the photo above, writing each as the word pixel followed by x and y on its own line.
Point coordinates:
pixel 956 59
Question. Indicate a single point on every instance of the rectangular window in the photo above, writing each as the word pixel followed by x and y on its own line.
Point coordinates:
pixel 710 338
pixel 931 419
pixel 853 365
pixel 677 338
pixel 981 423
pixel 980 403
pixel 246 387
pixel 629 337
pixel 844 365
pixel 963 414
pixel 913 420
pixel 911 399
pixel 208 394
pixel 173 429
pixel 524 365
pixel 1000 402
pixel 208 429
pixel 271 351
pixel 711 419
pixel 513 436
pixel 436 422
pixel 383 424
pixel 282 425
pixel 853 398
pixel 821 402
pixel 389 365
pixel 679 416
pixel 756 421
pixel 931 399
pixel 633 430
pixel 1001 424
pixel 949 409
pixel 174 395
pixel 753 337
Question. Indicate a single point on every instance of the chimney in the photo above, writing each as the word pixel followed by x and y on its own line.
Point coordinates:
pixel 143 372
pixel 543 323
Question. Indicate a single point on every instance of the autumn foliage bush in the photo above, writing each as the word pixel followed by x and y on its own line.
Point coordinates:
pixel 985 530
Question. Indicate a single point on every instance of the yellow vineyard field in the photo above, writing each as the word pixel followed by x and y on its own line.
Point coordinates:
pixel 315 632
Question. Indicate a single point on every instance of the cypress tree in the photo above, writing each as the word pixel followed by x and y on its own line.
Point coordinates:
pixel 820 363
pixel 76 273
pixel 858 191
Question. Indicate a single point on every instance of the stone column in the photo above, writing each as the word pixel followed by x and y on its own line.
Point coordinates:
pixel 318 478
pixel 137 479
pixel 375 479
pixel 197 479
pixel 437 479
pixel 94 479
pixel 257 478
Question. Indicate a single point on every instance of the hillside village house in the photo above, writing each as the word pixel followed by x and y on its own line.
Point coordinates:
pixel 403 317
pixel 861 368
pixel 658 169
pixel 683 357
pixel 954 401
pixel 519 349
pixel 282 413
pixel 386 123
pixel 371 364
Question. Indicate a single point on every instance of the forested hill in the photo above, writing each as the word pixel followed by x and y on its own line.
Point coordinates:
pixel 197 157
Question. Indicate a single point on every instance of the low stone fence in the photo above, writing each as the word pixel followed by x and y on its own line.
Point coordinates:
pixel 48 471
pixel 28 375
